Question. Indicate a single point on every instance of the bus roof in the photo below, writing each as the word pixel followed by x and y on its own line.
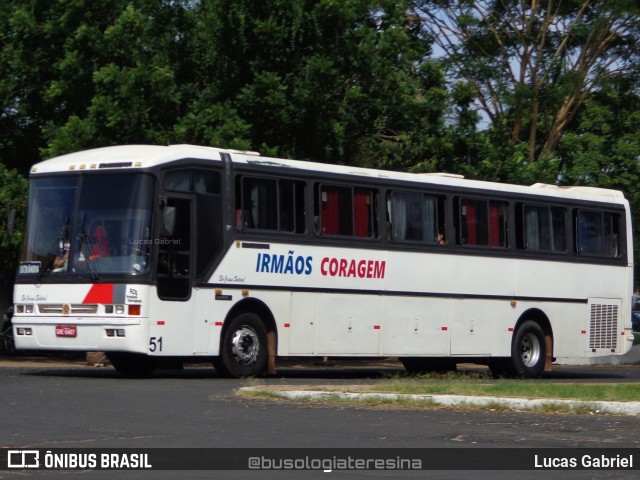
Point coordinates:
pixel 126 157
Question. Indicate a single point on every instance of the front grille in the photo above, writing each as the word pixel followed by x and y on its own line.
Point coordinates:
pixel 72 309
pixel 603 326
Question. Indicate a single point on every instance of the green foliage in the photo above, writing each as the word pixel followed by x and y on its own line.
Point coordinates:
pixel 132 77
pixel 359 82
pixel 13 196
pixel 331 81
pixel 602 149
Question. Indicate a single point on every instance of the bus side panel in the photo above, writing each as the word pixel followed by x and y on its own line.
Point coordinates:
pixel 304 320
pixel 172 325
pixel 415 326
pixel 349 324
pixel 569 282
pixel 587 315
pixel 480 327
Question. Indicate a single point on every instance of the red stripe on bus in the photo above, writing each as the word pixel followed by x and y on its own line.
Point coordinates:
pixel 100 293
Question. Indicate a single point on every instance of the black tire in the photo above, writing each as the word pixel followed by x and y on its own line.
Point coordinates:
pixel 420 365
pixel 528 350
pixel 7 344
pixel 133 364
pixel 243 348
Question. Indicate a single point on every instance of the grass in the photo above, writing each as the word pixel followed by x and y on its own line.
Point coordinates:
pixel 552 406
pixel 476 385
pixel 466 384
pixel 471 384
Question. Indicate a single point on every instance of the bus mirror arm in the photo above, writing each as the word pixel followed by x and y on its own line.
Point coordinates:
pixel 11 220
pixel 168 221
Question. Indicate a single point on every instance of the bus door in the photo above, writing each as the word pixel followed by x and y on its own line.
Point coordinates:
pixel 189 244
pixel 175 316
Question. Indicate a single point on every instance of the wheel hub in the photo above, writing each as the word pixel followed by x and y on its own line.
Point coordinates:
pixel 530 350
pixel 245 345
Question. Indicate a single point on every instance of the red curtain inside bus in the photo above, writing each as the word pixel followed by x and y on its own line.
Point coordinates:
pixel 330 212
pixel 471 223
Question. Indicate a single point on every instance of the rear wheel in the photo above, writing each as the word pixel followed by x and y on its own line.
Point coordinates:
pixel 528 350
pixel 133 364
pixel 243 350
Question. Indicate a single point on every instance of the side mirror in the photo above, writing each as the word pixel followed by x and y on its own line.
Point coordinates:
pixel 168 221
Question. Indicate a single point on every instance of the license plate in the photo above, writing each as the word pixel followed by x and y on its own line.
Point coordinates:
pixel 66 330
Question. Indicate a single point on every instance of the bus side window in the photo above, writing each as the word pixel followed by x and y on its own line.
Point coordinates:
pixel 541 228
pixel 336 211
pixel 598 233
pixel 483 223
pixel 347 211
pixel 363 214
pixel 415 216
pixel 270 204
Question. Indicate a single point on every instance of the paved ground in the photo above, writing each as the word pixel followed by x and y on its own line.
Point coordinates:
pixel 347 393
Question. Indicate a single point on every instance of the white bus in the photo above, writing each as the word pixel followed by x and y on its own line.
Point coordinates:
pixel 182 252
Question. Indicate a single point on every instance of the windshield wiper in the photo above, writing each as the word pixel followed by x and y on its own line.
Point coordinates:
pixel 85 250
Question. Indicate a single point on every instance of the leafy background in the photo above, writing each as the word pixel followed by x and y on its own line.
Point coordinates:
pixel 513 91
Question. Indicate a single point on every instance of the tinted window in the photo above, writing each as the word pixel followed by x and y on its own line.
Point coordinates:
pixel 414 216
pixel 346 211
pixel 271 204
pixel 192 180
pixel 598 233
pixel 543 228
pixel 482 223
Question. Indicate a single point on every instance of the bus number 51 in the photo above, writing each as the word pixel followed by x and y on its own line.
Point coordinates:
pixel 155 344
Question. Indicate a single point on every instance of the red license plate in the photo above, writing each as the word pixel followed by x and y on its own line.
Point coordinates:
pixel 66 330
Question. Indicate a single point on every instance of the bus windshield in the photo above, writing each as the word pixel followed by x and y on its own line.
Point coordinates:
pixel 88 225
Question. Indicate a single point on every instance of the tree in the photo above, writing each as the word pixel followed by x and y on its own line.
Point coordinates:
pixel 602 146
pixel 47 54
pixel 339 82
pixel 133 79
pixel 13 197
pixel 531 63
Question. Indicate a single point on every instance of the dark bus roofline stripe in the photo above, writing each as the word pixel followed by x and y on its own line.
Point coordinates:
pixel 394 293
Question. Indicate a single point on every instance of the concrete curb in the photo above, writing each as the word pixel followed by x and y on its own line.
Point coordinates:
pixel 616 408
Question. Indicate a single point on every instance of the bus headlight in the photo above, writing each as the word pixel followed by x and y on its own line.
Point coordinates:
pixel 24 308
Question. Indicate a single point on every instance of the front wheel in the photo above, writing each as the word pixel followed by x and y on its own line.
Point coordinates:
pixel 528 350
pixel 243 350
